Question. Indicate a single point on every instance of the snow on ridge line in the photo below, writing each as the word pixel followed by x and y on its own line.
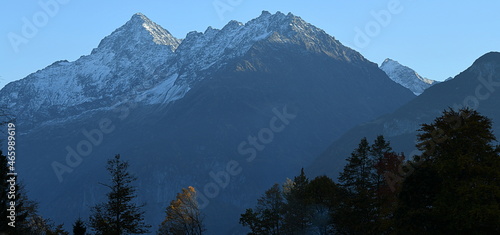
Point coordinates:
pixel 406 76
pixel 129 55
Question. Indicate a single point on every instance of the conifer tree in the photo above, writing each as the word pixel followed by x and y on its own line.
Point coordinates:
pixel 79 227
pixel 119 215
pixel 355 177
pixel 356 212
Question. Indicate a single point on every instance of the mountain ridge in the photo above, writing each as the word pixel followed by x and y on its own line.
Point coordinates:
pixel 141 48
pixel 406 76
pixel 476 87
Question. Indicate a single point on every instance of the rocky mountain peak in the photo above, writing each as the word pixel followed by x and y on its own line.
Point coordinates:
pixel 139 30
pixel 406 76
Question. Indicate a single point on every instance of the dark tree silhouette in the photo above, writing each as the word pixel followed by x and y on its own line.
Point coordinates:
pixel 323 197
pixel 455 187
pixel 79 227
pixel 119 215
pixel 357 210
pixel 267 218
pixel 297 214
pixel 378 152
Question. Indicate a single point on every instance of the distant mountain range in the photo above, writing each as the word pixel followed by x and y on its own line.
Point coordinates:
pixel 477 87
pixel 406 76
pixel 268 95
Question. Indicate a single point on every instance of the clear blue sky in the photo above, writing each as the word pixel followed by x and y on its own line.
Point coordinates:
pixel 438 39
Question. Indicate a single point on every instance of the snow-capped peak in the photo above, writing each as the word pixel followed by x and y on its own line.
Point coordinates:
pixel 160 35
pixel 406 76
pixel 138 30
pixel 143 61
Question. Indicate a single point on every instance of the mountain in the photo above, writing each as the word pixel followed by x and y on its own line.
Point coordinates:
pixel 476 87
pixel 117 67
pixel 405 76
pixel 229 111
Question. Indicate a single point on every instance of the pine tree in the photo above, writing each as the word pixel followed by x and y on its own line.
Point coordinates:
pixel 183 215
pixel 355 177
pixel 356 212
pixel 119 215
pixel 79 227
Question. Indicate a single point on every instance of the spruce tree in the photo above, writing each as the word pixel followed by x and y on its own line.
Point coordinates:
pixel 79 227
pixel 355 177
pixel 356 212
pixel 119 215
